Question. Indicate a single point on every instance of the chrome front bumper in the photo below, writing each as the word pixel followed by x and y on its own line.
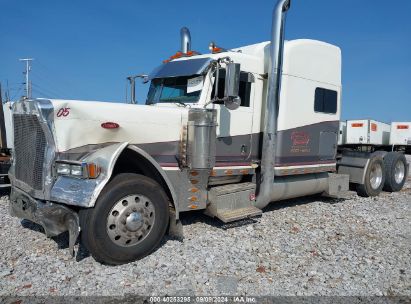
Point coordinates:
pixel 54 218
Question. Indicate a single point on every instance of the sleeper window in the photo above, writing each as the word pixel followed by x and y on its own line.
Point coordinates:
pixel 325 101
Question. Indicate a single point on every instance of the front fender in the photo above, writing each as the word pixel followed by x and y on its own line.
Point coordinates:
pixel 84 192
pixel 159 170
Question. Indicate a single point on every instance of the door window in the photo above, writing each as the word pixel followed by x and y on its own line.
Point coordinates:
pixel 246 79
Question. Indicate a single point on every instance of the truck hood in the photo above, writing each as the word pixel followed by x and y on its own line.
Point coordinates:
pixel 80 124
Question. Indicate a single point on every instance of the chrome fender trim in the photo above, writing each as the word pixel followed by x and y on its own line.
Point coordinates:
pixel 84 192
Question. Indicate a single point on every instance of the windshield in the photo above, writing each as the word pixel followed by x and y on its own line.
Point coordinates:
pixel 175 89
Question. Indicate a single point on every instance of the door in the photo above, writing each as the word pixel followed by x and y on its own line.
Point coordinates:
pixel 234 131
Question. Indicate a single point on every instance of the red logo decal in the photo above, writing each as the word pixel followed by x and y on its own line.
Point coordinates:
pixel 63 112
pixel 300 138
pixel 110 125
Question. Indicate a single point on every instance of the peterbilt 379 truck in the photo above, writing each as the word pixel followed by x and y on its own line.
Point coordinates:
pixel 226 132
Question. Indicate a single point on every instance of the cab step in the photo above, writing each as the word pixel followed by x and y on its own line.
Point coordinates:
pixel 341 195
pixel 238 214
pixel 232 202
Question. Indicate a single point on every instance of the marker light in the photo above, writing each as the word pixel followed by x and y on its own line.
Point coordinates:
pixel 214 48
pixel 180 55
pixel 176 55
pixel 93 171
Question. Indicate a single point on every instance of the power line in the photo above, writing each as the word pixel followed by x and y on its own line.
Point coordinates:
pixel 57 77
pixel 49 83
pixel 42 94
pixel 18 92
pixel 49 92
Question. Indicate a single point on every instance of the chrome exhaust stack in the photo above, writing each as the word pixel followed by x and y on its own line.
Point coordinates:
pixel 273 98
pixel 185 40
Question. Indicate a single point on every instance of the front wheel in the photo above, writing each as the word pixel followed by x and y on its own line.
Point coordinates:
pixel 374 178
pixel 128 221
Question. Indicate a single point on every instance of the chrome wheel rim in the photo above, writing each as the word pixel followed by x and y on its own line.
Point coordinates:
pixel 399 172
pixel 130 220
pixel 376 176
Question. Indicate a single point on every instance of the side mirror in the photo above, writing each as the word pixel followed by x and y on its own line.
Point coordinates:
pixel 232 84
pixel 232 80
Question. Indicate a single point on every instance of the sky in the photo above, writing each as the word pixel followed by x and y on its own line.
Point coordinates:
pixel 86 49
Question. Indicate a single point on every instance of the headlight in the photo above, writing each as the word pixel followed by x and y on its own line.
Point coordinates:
pixel 77 170
pixel 80 170
pixel 62 169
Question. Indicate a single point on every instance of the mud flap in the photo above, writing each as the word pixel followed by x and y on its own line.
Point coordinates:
pixel 175 228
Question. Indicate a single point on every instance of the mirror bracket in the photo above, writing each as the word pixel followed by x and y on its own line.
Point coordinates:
pixel 232 84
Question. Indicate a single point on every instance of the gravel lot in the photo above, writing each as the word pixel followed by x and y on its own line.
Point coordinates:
pixel 309 246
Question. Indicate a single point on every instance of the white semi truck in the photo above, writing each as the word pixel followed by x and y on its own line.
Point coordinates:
pixel 226 132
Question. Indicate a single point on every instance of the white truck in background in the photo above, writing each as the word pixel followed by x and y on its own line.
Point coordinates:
pixel 6 141
pixel 376 135
pixel 371 137
pixel 226 132
pixel 400 136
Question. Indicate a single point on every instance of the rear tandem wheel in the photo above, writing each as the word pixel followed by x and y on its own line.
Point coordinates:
pixel 374 178
pixel 396 171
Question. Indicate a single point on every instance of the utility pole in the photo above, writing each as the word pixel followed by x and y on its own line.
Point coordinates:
pixel 26 73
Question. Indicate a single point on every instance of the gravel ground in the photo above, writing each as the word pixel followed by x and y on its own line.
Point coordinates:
pixel 309 246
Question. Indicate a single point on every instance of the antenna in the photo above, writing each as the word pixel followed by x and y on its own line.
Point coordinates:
pixel 26 73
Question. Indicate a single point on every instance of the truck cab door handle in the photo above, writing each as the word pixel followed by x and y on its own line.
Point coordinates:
pixel 243 150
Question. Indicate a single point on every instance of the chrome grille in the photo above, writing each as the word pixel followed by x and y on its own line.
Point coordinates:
pixel 29 149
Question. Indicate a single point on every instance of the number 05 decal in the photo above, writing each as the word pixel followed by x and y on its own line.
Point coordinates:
pixel 63 112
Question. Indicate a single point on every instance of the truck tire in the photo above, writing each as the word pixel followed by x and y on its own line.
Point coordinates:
pixel 395 171
pixel 374 178
pixel 128 221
